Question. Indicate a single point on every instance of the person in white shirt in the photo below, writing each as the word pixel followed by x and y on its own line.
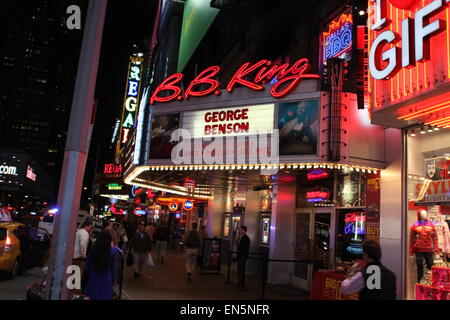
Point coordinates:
pixel 81 246
pixel 82 240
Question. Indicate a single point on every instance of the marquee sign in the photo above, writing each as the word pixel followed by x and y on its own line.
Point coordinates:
pixel 409 55
pixel 229 121
pixel 337 40
pixel 249 75
pixel 131 98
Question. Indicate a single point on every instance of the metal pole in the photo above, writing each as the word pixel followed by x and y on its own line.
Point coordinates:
pixel 229 268
pixel 75 152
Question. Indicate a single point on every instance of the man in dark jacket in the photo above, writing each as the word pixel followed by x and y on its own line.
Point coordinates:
pixel 242 254
pixel 140 245
pixel 373 281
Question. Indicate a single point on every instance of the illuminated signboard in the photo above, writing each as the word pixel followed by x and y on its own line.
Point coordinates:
pixel 409 56
pixel 229 121
pixel 337 39
pixel 8 170
pixel 131 98
pixel 115 186
pixel 112 168
pixel 188 205
pixel 173 206
pixel 317 174
pixel 249 75
pixel 355 223
pixel 317 196
pixel 30 173
pixel 140 212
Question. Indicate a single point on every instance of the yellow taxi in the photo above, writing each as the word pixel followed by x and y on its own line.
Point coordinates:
pixel 9 248
pixel 21 246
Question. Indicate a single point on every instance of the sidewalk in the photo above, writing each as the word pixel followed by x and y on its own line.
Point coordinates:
pixel 170 284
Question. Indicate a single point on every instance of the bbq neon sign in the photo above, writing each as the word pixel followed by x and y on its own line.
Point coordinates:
pixel 337 40
pixel 249 75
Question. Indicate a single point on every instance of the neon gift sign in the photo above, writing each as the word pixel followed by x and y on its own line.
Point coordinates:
pixel 337 40
pixel 409 54
pixel 252 76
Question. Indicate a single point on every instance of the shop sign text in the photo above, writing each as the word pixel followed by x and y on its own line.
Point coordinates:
pixel 249 75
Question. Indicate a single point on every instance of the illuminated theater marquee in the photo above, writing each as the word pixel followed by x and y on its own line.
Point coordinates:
pixel 252 76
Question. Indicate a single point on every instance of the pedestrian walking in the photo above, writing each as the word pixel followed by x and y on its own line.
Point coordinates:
pixel 109 226
pixel 82 244
pixel 162 239
pixel 192 243
pixel 140 246
pixel 121 234
pixel 151 230
pixel 243 248
pixel 100 268
pixel 358 278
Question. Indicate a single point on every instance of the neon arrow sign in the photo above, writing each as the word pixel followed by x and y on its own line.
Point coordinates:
pixel 288 78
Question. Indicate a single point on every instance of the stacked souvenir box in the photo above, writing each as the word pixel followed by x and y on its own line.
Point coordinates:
pixel 440 286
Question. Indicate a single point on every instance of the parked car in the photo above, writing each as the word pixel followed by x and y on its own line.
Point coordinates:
pixel 47 222
pixel 22 247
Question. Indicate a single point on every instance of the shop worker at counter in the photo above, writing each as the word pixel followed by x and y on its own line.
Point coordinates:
pixel 371 280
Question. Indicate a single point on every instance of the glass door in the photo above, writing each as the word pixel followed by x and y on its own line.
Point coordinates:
pixel 302 244
pixel 323 233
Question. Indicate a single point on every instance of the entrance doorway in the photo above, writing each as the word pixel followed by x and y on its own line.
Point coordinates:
pixel 313 242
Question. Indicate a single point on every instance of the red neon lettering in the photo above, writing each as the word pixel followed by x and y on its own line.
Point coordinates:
pixel 298 70
pixel 288 79
pixel 242 72
pixel 203 78
pixel 168 85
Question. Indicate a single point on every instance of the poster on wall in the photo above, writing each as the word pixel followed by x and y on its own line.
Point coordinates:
pixel 299 126
pixel 373 206
pixel 162 128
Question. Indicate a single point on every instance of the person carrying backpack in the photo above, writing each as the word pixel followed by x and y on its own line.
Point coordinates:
pixel 192 243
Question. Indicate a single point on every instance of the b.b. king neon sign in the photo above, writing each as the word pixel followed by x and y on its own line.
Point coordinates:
pixel 249 75
pixel 131 97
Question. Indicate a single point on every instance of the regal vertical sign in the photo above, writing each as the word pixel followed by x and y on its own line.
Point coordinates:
pixel 409 46
pixel 131 99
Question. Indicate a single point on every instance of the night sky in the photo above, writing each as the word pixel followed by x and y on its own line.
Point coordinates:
pixel 127 23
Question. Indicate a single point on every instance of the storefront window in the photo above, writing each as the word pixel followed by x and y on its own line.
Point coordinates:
pixel 428 215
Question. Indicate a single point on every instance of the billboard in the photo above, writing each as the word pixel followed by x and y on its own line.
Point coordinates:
pixel 162 128
pixel 299 127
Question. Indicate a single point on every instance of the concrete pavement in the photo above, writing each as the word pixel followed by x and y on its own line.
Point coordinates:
pixel 15 289
pixel 170 283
